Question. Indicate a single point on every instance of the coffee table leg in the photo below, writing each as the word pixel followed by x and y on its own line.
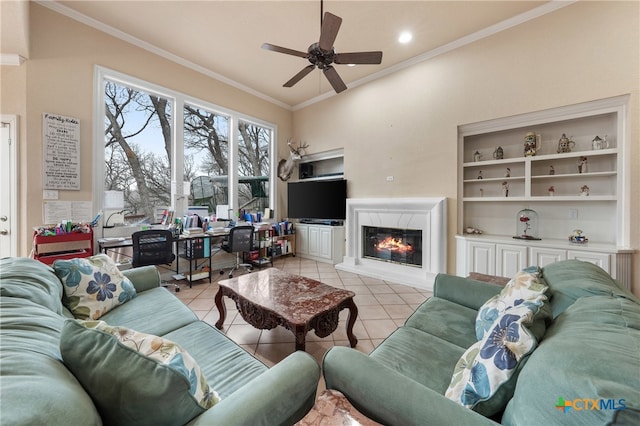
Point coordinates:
pixel 222 309
pixel 301 338
pixel 353 314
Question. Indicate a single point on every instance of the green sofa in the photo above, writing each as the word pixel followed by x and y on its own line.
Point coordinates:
pixel 587 363
pixel 36 388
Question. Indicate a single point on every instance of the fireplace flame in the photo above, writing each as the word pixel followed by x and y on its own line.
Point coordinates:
pixel 394 244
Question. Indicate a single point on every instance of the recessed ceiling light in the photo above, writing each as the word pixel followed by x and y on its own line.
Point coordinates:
pixel 405 37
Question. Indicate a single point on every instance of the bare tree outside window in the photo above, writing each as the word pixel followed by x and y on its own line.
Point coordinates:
pixel 206 147
pixel 138 153
pixel 138 149
pixel 253 168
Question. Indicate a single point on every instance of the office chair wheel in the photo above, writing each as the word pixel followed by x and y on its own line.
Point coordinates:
pixel 221 272
pixel 230 275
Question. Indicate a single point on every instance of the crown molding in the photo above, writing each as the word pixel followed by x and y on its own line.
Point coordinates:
pixel 63 10
pixel 514 21
pixel 537 12
pixel 12 59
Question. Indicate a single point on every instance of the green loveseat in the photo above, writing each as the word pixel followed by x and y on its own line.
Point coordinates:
pixel 585 370
pixel 37 389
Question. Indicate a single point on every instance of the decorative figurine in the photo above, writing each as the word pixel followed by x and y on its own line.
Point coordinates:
pixel 577 238
pixel 472 230
pixel 582 165
pixel 477 156
pixel 531 144
pixel 505 188
pixel 480 174
pixel 498 154
pixel 552 191
pixel 565 144
pixel 584 191
pixel 552 171
pixel 508 173
pixel 527 225
pixel 599 143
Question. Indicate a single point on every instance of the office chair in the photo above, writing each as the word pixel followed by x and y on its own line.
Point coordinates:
pixel 153 247
pixel 240 240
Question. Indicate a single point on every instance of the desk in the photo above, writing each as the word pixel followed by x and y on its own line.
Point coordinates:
pixel 189 253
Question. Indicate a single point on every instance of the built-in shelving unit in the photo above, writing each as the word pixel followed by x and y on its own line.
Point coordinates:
pixel 586 188
pixel 322 165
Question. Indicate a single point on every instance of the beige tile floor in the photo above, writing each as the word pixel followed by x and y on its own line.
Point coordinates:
pixel 382 307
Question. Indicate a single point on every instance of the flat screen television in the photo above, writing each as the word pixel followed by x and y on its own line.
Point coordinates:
pixel 320 199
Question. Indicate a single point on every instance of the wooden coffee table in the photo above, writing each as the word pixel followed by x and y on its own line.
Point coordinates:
pixel 271 297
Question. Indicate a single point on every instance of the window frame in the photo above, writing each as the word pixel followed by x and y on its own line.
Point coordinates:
pixel 179 200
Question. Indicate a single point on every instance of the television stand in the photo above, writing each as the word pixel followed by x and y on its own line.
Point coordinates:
pixel 330 222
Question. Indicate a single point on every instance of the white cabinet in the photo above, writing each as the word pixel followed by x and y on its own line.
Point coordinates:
pixel 542 256
pixel 586 188
pixel 510 259
pixel 496 255
pixel 323 243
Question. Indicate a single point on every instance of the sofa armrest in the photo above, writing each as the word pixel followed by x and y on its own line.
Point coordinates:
pixel 143 277
pixel 280 396
pixel 464 291
pixel 387 396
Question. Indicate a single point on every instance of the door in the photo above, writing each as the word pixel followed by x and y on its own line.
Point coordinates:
pixel 482 258
pixel 9 189
pixel 510 259
pixel 542 256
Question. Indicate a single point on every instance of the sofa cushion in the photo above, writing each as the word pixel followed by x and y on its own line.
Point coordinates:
pixel 154 311
pixel 135 378
pixel 447 320
pixel 29 279
pixel 425 358
pixel 571 279
pixel 527 286
pixel 93 286
pixel 485 376
pixel 36 387
pixel 226 366
pixel 591 352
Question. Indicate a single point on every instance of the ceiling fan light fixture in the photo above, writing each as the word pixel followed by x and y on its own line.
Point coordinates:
pixel 405 37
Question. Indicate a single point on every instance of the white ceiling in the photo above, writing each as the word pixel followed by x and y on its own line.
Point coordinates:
pixel 223 38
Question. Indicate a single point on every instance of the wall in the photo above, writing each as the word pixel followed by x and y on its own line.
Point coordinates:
pixel 59 80
pixel 405 125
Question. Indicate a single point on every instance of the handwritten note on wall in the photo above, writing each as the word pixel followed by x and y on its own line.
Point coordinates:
pixel 61 138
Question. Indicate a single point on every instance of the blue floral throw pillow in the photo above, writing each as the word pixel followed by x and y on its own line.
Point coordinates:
pixel 93 285
pixel 527 286
pixel 485 376
pixel 133 377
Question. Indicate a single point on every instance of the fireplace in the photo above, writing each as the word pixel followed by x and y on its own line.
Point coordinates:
pixel 415 235
pixel 401 246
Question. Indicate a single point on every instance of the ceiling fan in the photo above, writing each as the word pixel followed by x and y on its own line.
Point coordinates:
pixel 322 54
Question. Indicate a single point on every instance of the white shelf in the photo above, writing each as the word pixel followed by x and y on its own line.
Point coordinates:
pixel 603 215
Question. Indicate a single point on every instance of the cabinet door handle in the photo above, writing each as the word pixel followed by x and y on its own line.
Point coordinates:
pixel 4 232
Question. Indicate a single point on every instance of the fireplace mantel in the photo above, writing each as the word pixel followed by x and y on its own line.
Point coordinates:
pixel 426 214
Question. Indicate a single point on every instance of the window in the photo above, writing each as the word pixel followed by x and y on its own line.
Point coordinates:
pixel 163 150
pixel 137 149
pixel 206 156
pixel 253 171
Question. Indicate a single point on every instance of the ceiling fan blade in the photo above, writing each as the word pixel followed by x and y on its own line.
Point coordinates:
pixel 284 50
pixel 358 58
pixel 296 78
pixel 329 31
pixel 335 80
